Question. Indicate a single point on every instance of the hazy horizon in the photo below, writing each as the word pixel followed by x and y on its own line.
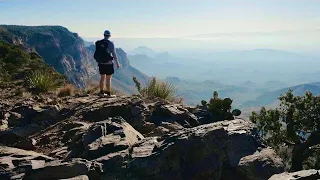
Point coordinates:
pixel 212 25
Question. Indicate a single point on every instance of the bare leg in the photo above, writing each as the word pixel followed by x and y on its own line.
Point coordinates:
pixel 109 78
pixel 102 80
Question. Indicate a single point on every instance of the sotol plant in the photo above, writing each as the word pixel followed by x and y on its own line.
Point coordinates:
pixel 155 88
pixel 42 81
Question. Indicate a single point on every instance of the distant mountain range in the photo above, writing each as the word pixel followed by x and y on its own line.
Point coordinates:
pixel 251 78
pixel 68 54
pixel 271 98
pixel 143 50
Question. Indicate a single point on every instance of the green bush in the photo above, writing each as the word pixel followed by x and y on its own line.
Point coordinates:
pixel 42 81
pixel 220 108
pixel 4 75
pixel 15 64
pixel 204 103
pixel 155 88
pixel 236 112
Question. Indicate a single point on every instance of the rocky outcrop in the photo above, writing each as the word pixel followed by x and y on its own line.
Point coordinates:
pixel 65 169
pixel 205 152
pixel 106 137
pixel 16 162
pixel 300 175
pixel 129 138
pixel 174 113
pixel 261 165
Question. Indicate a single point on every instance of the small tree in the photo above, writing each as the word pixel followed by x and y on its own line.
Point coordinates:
pixel 295 124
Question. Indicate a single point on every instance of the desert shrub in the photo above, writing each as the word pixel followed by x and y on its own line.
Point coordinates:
pixel 19 91
pixel 42 81
pixel 294 124
pixel 67 90
pixel 220 108
pixel 4 76
pixel 157 89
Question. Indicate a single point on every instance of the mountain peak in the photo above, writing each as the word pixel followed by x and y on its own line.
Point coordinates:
pixel 143 50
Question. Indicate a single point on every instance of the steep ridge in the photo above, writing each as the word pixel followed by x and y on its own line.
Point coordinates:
pixel 61 49
pixel 67 53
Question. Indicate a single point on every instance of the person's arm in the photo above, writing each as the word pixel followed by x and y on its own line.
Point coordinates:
pixel 115 57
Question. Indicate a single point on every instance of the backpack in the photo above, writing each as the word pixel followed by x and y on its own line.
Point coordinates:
pixel 102 54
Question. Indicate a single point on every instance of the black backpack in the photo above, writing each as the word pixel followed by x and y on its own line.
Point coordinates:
pixel 102 54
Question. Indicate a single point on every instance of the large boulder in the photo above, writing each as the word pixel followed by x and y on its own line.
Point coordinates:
pixel 106 137
pixel 310 174
pixel 132 109
pixel 14 162
pixel 17 136
pixel 65 169
pixel 9 154
pixel 173 113
pixel 211 151
pixel 261 165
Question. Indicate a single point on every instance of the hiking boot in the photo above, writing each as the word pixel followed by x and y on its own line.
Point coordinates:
pixel 102 94
pixel 112 96
pixel 109 95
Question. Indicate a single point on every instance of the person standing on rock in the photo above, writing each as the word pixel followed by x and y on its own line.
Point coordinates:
pixel 105 54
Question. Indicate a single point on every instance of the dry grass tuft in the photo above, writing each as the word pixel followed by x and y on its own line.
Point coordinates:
pixel 67 90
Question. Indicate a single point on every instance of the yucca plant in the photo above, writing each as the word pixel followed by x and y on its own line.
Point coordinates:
pixel 155 88
pixel 42 81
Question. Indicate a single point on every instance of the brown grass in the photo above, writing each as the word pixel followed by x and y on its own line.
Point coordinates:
pixel 19 91
pixel 67 90
pixel 92 88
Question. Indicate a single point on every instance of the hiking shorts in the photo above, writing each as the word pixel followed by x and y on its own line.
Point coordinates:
pixel 107 69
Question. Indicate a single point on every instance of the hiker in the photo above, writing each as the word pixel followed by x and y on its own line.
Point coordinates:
pixel 105 54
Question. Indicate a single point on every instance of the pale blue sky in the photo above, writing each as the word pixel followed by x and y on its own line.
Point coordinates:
pixel 165 18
